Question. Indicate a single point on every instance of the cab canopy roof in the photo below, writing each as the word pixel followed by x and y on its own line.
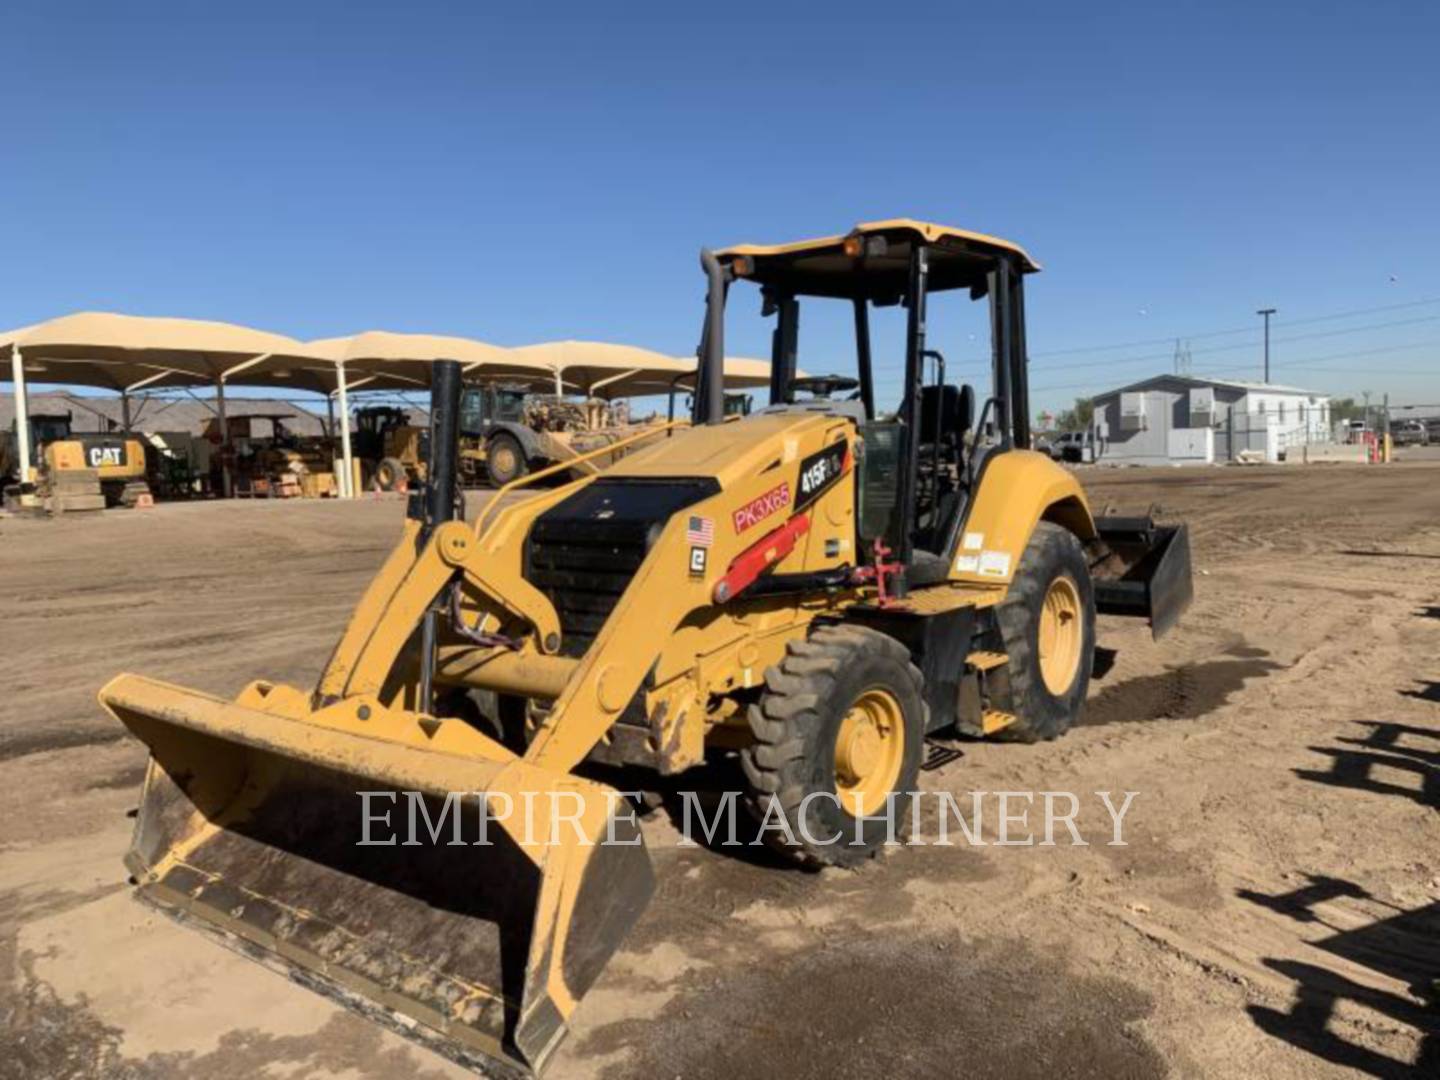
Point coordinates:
pixel 872 261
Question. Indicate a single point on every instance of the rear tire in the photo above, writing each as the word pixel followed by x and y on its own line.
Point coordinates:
pixel 390 474
pixel 841 725
pixel 505 460
pixel 1048 625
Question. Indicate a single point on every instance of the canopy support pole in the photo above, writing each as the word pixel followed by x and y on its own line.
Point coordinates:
pixel 347 481
pixel 559 386
pixel 22 415
pixel 125 411
pixel 226 481
pixel 330 416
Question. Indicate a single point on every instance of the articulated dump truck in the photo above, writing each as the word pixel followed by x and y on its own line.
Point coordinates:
pixel 813 589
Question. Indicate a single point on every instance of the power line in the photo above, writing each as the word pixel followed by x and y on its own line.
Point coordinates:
pixel 1303 363
pixel 1158 357
pixel 1239 329
pixel 1146 341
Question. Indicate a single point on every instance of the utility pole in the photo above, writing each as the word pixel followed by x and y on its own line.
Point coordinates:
pixel 1267 312
pixel 1182 357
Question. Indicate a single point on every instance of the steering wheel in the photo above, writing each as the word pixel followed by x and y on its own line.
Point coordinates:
pixel 822 386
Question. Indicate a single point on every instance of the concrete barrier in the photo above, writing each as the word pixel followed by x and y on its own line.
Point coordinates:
pixel 1323 452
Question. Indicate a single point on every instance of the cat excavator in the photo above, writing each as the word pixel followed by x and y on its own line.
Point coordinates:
pixel 72 470
pixel 813 589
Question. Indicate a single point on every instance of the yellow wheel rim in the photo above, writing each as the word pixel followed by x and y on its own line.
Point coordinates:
pixel 869 751
pixel 1060 636
pixel 504 460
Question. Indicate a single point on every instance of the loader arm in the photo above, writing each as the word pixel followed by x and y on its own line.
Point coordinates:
pixel 408 583
pixel 613 668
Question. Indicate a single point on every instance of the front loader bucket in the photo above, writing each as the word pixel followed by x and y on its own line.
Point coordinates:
pixel 1146 572
pixel 251 825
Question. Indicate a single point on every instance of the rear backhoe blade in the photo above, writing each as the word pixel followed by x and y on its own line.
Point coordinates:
pixel 250 825
pixel 1147 572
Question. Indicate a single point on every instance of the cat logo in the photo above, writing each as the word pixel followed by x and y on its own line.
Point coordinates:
pixel 102 456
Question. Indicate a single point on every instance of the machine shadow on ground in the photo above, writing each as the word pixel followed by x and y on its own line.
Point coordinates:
pixel 1404 946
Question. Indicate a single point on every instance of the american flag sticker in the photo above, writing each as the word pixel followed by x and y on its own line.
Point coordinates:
pixel 700 530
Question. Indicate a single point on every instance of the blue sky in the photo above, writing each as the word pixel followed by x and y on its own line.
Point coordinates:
pixel 520 173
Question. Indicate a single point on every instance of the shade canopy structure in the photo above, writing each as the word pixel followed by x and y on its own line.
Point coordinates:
pixel 385 360
pixel 129 352
pixel 742 373
pixel 603 369
pixel 126 353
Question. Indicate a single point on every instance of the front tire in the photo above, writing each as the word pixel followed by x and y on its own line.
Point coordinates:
pixel 1047 622
pixel 505 460
pixel 390 474
pixel 840 727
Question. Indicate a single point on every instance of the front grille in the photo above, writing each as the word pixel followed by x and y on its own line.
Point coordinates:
pixel 584 552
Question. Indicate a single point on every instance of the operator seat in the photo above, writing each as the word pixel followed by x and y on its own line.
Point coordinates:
pixel 946 415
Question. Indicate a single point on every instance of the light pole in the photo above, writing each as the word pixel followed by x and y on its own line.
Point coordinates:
pixel 1267 312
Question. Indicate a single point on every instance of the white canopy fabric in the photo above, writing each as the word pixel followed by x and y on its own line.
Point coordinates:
pixel 119 352
pixel 125 353
pixel 405 359
pixel 600 368
pixel 741 373
pixel 382 359
pixel 128 352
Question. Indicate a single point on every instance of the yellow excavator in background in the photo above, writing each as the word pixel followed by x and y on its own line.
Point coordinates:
pixel 814 588
pixel 74 470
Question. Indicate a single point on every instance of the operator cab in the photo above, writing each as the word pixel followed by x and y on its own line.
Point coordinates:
pixel 483 406
pixel 46 428
pixel 919 463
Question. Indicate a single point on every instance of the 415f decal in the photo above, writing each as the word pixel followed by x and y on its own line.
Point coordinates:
pixel 819 471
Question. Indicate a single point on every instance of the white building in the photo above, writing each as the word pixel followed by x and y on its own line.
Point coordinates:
pixel 1192 420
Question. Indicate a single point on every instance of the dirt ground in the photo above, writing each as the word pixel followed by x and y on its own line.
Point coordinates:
pixel 1276 912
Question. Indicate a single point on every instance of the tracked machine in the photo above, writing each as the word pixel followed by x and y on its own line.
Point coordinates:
pixel 75 470
pixel 814 588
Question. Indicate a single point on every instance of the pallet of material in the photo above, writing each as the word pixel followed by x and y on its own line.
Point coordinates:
pixel 318 485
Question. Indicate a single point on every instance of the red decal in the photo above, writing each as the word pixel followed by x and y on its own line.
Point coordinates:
pixel 757 510
pixel 759 557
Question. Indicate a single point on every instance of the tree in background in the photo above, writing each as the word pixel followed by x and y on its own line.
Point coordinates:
pixel 1077 418
pixel 1345 409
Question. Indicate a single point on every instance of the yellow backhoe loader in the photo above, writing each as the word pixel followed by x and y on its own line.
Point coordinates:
pixel 815 587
